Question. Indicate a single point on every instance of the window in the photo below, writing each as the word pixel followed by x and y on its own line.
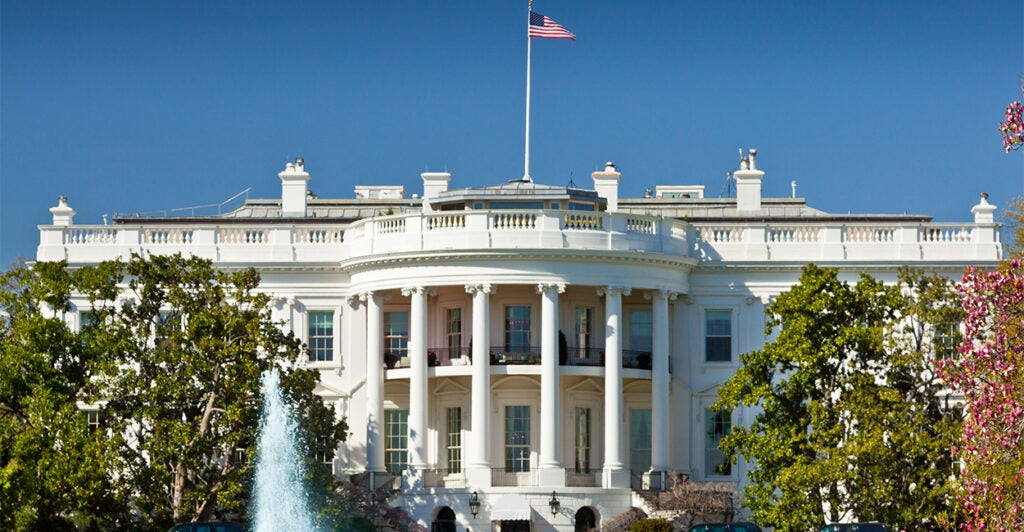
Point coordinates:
pixel 325 457
pixel 92 419
pixel 573 206
pixel 321 336
pixel 165 321
pixel 583 440
pixel 641 330
pixel 396 441
pixel 517 439
pixel 639 439
pixel 86 319
pixel 396 333
pixel 718 335
pixel 946 339
pixel 719 423
pixel 583 329
pixel 453 332
pixel 517 329
pixel 454 440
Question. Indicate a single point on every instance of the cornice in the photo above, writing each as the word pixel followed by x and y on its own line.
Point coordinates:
pixel 361 264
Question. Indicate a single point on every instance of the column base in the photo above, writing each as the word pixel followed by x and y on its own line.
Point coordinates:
pixel 478 477
pixel 551 477
pixel 412 479
pixel 615 478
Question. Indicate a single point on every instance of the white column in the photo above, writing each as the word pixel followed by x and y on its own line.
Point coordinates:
pixel 374 382
pixel 478 467
pixel 660 382
pixel 549 468
pixel 615 473
pixel 417 386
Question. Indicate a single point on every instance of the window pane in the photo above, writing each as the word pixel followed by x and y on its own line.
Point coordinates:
pixel 396 333
pixel 718 336
pixel 517 438
pixel 582 440
pixel 718 425
pixel 454 440
pixel 641 330
pixel 396 433
pixel 639 440
pixel 453 332
pixel 321 336
pixel 583 326
pixel 517 329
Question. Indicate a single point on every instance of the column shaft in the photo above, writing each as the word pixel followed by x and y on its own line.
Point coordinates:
pixel 660 384
pixel 480 450
pixel 374 384
pixel 418 379
pixel 549 376
pixel 614 467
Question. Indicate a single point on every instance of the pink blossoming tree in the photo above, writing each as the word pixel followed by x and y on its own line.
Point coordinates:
pixel 990 375
pixel 1013 128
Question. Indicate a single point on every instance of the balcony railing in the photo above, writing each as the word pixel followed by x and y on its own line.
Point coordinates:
pixel 574 479
pixel 520 356
pixel 584 356
pixel 501 477
pixel 443 478
pixel 506 356
pixel 634 358
pixel 449 356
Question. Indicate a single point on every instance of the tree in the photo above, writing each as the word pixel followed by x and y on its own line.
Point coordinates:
pixel 851 420
pixel 990 375
pixel 185 345
pixel 52 464
pixel 1012 129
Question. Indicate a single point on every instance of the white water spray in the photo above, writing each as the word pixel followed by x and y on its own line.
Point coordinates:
pixel 280 500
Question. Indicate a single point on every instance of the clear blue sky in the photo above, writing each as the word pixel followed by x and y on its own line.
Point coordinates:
pixel 872 107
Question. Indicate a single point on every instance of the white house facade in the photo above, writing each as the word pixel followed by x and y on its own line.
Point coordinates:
pixel 498 348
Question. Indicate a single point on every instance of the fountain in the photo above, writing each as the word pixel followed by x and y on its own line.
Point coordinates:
pixel 280 500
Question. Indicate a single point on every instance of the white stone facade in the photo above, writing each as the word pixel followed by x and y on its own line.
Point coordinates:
pixel 519 340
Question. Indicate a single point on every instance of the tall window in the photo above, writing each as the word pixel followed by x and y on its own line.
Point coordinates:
pixel 396 333
pixel 165 320
pixel 641 330
pixel 583 329
pixel 396 441
pixel 517 329
pixel 92 419
pixel 86 319
pixel 453 332
pixel 517 438
pixel 454 440
pixel 583 440
pixel 321 336
pixel 719 423
pixel 718 335
pixel 639 439
pixel 946 339
pixel 325 457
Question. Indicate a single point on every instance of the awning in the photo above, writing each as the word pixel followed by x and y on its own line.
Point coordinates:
pixel 511 508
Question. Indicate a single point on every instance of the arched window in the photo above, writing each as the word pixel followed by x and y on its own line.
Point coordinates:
pixel 445 521
pixel 586 520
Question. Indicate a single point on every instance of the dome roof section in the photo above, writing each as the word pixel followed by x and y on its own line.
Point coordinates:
pixel 519 194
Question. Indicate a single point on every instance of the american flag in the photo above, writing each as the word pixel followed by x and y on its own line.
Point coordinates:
pixel 544 28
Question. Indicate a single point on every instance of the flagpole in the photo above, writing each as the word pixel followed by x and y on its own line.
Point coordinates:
pixel 526 158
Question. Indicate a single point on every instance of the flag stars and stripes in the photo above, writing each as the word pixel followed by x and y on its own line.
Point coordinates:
pixel 543 27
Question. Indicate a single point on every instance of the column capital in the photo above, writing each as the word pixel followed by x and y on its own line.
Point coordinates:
pixel 484 288
pixel 661 294
pixel 545 287
pixel 614 291
pixel 353 301
pixel 421 290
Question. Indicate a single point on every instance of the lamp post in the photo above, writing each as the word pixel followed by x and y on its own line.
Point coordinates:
pixel 554 504
pixel 474 505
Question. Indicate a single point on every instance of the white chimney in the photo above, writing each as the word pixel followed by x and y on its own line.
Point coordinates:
pixel 983 211
pixel 62 214
pixel 748 184
pixel 293 189
pixel 606 184
pixel 434 183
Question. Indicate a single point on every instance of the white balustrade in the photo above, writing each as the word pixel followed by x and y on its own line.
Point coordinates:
pixel 174 235
pixel 585 221
pixel 514 220
pixel 444 222
pixel 318 235
pixel 90 235
pixel 244 236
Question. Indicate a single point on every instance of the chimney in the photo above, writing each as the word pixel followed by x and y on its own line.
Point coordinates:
pixel 62 214
pixel 434 183
pixel 748 184
pixel 606 184
pixel 293 189
pixel 983 211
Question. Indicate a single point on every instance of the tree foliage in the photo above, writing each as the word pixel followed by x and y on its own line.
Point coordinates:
pixel 851 418
pixel 990 375
pixel 185 345
pixel 52 466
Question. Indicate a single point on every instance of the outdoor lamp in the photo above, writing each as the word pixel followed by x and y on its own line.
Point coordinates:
pixel 554 504
pixel 474 505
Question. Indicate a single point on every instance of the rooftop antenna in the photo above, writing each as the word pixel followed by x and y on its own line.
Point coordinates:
pixel 572 184
pixel 727 186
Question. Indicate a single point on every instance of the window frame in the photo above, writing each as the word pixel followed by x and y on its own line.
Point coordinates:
pixel 517 454
pixel 333 335
pixel 396 431
pixel 707 312
pixel 710 420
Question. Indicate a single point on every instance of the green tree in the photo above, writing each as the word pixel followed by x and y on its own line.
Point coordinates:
pixel 185 345
pixel 52 466
pixel 852 420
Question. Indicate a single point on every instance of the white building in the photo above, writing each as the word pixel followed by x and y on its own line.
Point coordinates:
pixel 511 341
